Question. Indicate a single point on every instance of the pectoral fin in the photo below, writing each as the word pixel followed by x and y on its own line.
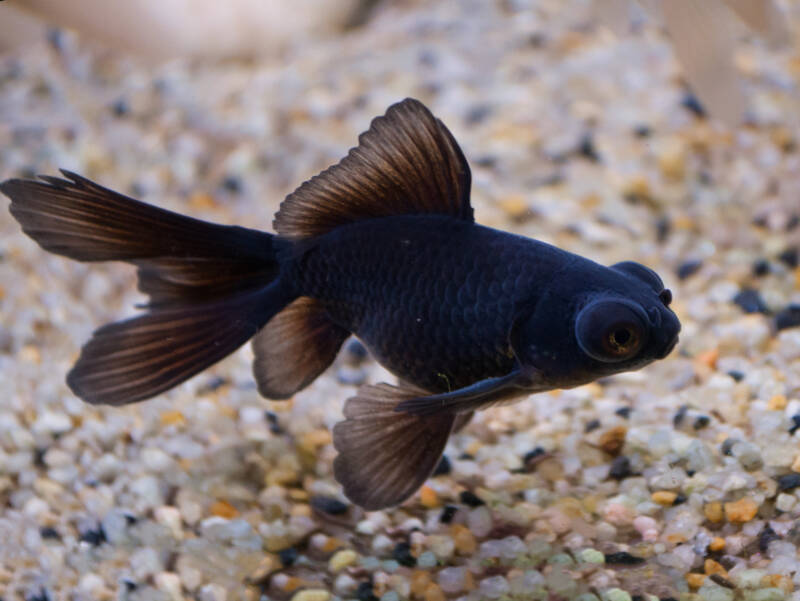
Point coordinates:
pixel 475 396
pixel 385 456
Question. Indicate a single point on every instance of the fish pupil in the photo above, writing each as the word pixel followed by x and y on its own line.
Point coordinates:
pixel 621 337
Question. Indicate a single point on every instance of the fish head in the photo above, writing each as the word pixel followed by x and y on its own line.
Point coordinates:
pixel 598 322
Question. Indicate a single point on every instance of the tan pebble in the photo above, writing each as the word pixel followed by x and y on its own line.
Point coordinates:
pixel 683 222
pixel 301 510
pixel 464 539
pixel 298 494
pixel 223 509
pixel 637 188
pixel 342 559
pixel 712 567
pixel 268 565
pixel 778 581
pixel 695 580
pixel 796 464
pixel 515 207
pixel 420 579
pixel 172 418
pixel 281 477
pixel 202 200
pixel 713 511
pixel 717 544
pixel 708 358
pixel 312 594
pixel 797 278
pixel 30 354
pixel 331 545
pixel 185 463
pixel 315 439
pixel 783 138
pixel 676 538
pixel 433 592
pixel 664 497
pixel 741 511
pixel 292 584
pixel 777 402
pixel 612 440
pixel 672 161
pixel 428 497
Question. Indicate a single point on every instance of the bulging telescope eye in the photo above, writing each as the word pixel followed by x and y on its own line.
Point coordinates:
pixel 611 331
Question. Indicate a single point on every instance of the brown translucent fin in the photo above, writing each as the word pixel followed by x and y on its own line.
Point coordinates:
pixel 704 40
pixel 384 455
pixel 765 18
pixel 138 358
pixel 462 419
pixel 406 163
pixel 179 258
pixel 296 346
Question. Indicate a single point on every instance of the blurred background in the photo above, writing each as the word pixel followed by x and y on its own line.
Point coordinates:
pixel 665 132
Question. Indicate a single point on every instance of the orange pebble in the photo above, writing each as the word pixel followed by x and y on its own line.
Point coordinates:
pixel 434 593
pixel 463 539
pixel 420 580
pixel 223 509
pixel 428 497
pixel 712 567
pixel 172 418
pixel 716 544
pixel 695 580
pixel 708 358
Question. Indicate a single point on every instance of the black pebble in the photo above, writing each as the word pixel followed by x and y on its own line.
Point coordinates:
pixel 790 257
pixel 94 537
pixel 587 148
pixel 688 268
pixel 727 446
pixel 533 454
pixel 642 131
pixel 120 108
pixel 402 555
pixel 130 519
pixel 761 267
pixel 355 351
pixel 737 376
pixel 680 414
pixel 232 184
pixel 42 595
pixel 766 536
pixel 793 222
pixel 624 412
pixel 478 113
pixel 38 457
pixel 351 376
pixel 48 532
pixel 620 468
pixel 795 423
pixel 364 592
pixel 591 425
pixel 444 467
pixel 272 419
pixel 701 421
pixel 750 301
pixel 680 499
pixel 129 585
pixel 466 457
pixel 788 317
pixel 637 598
pixel 663 229
pixel 691 103
pixel 288 556
pixel 469 498
pixel 448 513
pixel 788 482
pixel 623 558
pixel 328 505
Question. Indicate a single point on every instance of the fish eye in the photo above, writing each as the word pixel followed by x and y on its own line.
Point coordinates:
pixel 611 331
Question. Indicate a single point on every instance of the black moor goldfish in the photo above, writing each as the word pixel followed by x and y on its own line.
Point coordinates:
pixel 382 245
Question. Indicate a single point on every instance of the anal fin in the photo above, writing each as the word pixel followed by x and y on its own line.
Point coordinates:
pixel 386 455
pixel 295 347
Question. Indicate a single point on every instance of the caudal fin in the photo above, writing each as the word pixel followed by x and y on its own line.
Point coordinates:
pixel 386 455
pixel 211 287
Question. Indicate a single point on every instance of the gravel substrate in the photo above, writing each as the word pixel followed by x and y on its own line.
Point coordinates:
pixel 682 479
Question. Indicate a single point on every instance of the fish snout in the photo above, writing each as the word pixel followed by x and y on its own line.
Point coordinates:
pixel 668 333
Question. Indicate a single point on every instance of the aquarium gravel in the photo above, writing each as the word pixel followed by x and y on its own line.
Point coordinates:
pixel 681 481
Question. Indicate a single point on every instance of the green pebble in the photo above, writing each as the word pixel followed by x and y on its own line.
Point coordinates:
pixel 710 591
pixel 765 594
pixel 561 559
pixel 749 578
pixel 591 556
pixel 616 594
pixel 427 559
pixel 390 596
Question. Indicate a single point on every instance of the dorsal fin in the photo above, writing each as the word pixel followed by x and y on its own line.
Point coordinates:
pixel 407 162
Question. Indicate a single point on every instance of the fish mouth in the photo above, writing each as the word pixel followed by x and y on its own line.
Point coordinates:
pixel 670 346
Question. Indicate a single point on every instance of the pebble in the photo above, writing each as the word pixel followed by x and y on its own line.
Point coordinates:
pixel 616 594
pixel 494 587
pixel 741 511
pixel 750 301
pixel 212 592
pixel 342 559
pixel 312 595
pixel 170 584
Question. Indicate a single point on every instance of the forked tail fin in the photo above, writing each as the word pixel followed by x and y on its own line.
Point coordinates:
pixel 211 287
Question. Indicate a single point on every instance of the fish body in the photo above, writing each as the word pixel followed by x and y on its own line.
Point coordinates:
pixel 382 245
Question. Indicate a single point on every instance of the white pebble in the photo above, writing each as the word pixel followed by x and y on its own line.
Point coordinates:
pixel 34 507
pixel 453 580
pixel 212 592
pixel 51 422
pixel 156 460
pixel 91 583
pixel 479 521
pixel 169 583
pixel 170 517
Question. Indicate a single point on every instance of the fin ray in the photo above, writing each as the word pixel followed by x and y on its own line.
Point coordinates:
pixel 407 162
